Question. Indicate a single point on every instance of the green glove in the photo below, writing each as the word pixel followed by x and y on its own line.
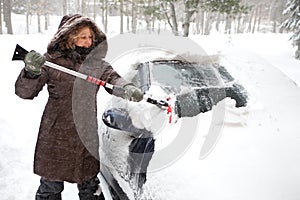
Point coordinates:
pixel 132 93
pixel 34 62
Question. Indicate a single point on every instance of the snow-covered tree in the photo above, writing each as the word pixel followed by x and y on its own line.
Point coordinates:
pixel 292 23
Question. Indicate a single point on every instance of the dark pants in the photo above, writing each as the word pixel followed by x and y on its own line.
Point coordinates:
pixel 51 190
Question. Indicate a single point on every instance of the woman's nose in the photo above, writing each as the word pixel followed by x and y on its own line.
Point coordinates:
pixel 88 42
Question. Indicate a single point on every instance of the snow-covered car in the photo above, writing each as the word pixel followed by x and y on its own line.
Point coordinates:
pixel 128 136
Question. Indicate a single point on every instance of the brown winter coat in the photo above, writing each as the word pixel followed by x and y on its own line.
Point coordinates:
pixel 68 144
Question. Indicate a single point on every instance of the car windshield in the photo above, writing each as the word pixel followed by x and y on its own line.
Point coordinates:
pixel 176 74
pixel 166 75
pixel 173 75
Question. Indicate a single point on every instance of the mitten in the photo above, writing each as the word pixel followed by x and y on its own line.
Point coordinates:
pixel 34 62
pixel 132 93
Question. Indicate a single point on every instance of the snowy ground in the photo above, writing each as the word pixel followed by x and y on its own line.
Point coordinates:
pixel 258 159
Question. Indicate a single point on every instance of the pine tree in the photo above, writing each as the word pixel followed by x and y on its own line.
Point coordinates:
pixel 292 23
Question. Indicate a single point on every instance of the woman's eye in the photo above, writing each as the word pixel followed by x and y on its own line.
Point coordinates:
pixel 85 37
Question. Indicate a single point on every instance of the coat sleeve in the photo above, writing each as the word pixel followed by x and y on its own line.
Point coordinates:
pixel 111 76
pixel 29 87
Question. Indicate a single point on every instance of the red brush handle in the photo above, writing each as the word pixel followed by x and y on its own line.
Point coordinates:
pixel 96 81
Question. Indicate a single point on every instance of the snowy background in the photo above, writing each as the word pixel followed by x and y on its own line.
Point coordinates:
pixel 257 156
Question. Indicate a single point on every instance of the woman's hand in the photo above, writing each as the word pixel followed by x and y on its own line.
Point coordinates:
pixel 34 62
pixel 132 93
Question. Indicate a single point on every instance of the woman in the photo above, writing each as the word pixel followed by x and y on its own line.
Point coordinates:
pixel 67 144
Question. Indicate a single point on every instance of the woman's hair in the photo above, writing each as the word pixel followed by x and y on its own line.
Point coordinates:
pixel 70 43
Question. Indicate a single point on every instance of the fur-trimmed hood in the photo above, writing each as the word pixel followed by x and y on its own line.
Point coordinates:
pixel 73 22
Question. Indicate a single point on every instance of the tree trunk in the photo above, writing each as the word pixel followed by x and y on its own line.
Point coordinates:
pixel 127 17
pixel 281 8
pixel 274 26
pixel 218 21
pixel 255 18
pixel 27 16
pixel 95 10
pixel 7 15
pixel 202 22
pixel 104 9
pixel 271 10
pixel 259 17
pixel 186 26
pixel 39 22
pixel 148 18
pixel 167 16
pixel 1 17
pixel 207 23
pixel 121 16
pixel 133 17
pixel 239 28
pixel 250 21
pixel 173 19
pixel 228 23
pixel 106 16
pixel 198 20
pixel 46 21
pixel 186 22
pixel 103 12
pixel 297 54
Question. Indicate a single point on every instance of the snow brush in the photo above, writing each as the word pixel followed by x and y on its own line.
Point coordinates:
pixel 20 54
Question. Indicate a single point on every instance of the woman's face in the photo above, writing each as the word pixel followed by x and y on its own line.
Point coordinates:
pixel 84 38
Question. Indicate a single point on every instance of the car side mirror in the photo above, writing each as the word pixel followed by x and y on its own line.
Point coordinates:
pixel 118 118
